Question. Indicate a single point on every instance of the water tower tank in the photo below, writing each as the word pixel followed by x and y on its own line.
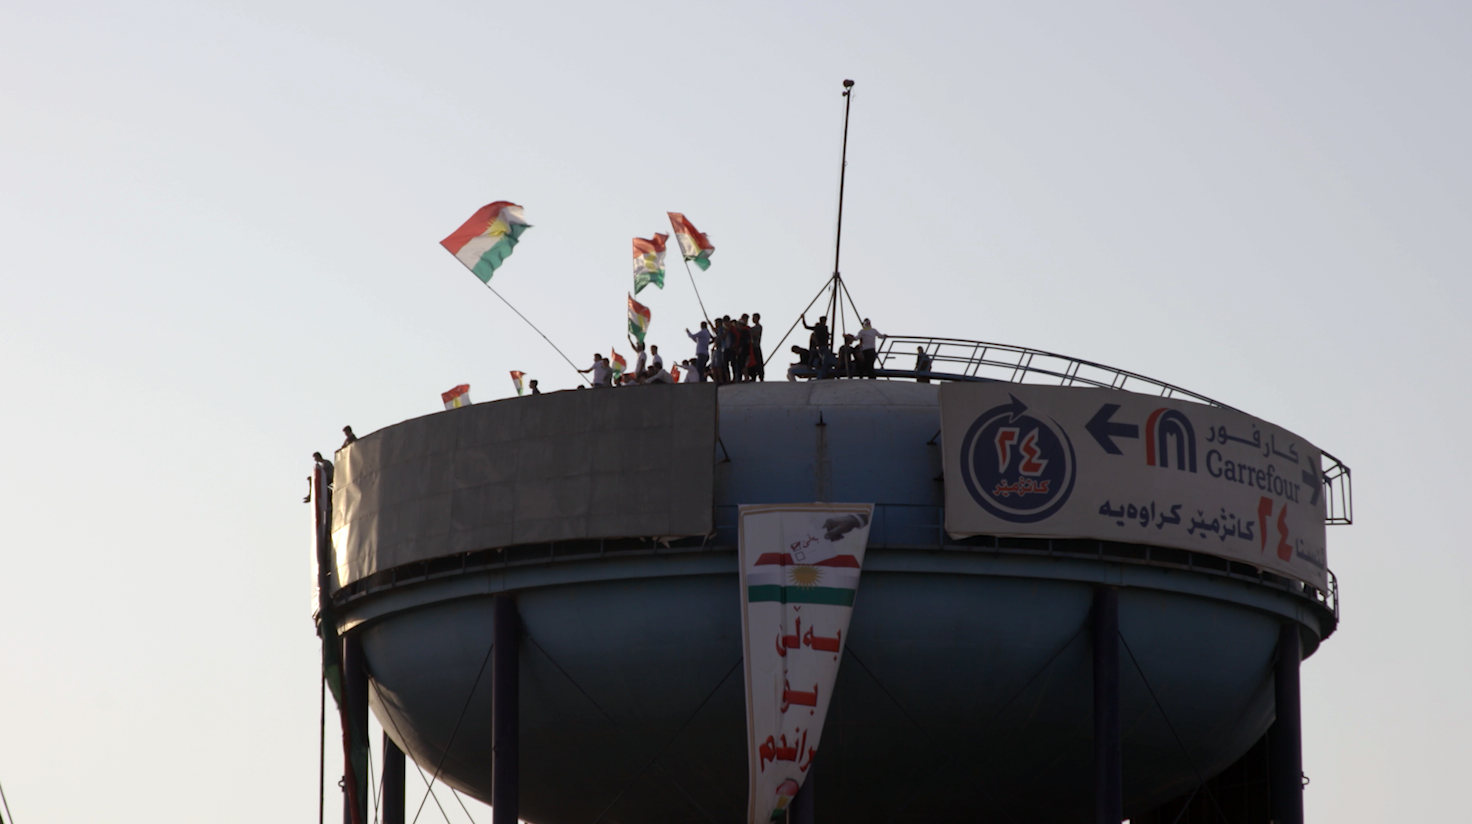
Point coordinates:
pixel 966 691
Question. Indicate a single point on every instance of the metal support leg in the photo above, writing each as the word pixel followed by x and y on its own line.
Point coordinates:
pixel 393 782
pixel 1286 735
pixel 801 811
pixel 505 769
pixel 1108 794
pixel 355 689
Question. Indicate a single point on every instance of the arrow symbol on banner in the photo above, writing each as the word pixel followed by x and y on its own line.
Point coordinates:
pixel 1311 478
pixel 1104 430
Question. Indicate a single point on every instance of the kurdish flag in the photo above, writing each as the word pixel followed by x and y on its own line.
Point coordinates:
pixel 778 577
pixel 649 261
pixel 638 319
pixel 619 365
pixel 516 381
pixel 486 240
pixel 457 397
pixel 694 245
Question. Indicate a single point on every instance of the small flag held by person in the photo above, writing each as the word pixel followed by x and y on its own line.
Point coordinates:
pixel 675 373
pixel 694 245
pixel 638 319
pixel 486 240
pixel 516 381
pixel 620 366
pixel 457 397
pixel 649 262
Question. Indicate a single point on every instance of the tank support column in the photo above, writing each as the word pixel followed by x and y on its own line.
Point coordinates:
pixel 355 694
pixel 505 754
pixel 1286 735
pixel 1108 794
pixel 393 782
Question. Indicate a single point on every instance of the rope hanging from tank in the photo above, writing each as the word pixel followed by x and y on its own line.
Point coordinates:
pixel 616 727
pixel 462 805
pixel 1172 727
pixel 667 744
pixel 931 776
pixel 395 724
pixel 446 751
pixel 9 819
pixel 849 651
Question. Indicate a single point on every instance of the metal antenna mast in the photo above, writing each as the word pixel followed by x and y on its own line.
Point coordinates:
pixel 834 285
pixel 834 307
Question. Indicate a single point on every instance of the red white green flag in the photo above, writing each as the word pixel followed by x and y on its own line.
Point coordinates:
pixel 457 397
pixel 694 244
pixel 619 365
pixel 516 381
pixel 649 261
pixel 486 240
pixel 638 319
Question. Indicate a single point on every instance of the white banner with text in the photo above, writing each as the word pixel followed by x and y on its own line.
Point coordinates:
pixel 1066 462
pixel 799 572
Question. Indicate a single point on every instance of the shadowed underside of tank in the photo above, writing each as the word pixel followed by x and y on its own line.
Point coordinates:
pixel 966 686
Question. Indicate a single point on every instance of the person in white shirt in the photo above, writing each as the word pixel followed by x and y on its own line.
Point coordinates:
pixel 868 349
pixel 655 361
pixel 691 374
pixel 601 372
pixel 702 348
pixel 658 376
pixel 638 346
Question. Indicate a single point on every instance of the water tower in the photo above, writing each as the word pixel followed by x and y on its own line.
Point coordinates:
pixel 538 597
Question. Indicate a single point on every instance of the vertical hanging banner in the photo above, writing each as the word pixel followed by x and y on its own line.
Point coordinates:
pixel 799 571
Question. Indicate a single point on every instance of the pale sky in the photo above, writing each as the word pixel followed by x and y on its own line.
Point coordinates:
pixel 219 229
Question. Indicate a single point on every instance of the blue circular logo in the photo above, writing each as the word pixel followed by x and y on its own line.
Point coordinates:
pixel 1018 467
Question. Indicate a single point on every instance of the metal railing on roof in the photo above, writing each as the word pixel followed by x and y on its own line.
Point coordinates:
pixel 954 359
pixel 972 360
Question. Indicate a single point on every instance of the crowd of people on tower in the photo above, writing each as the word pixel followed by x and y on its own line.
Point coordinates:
pixel 729 350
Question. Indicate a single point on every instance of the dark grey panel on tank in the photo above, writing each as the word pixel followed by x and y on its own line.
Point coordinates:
pixel 859 441
pixel 636 462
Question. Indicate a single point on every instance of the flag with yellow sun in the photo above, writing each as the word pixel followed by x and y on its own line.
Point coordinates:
pixel 800 568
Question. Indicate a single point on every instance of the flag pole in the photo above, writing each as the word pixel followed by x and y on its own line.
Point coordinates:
pixel 535 329
pixel 697 292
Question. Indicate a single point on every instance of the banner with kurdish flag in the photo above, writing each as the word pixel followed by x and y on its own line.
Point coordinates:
pixel 485 241
pixel 638 319
pixel 516 381
pixel 800 568
pixel 620 366
pixel 649 261
pixel 694 245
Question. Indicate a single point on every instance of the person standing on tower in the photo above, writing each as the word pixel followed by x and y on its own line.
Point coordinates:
pixel 869 349
pixel 818 341
pixel 922 363
pixel 600 369
pixel 327 472
pixel 347 431
pixel 759 366
pixel 639 361
pixel 702 349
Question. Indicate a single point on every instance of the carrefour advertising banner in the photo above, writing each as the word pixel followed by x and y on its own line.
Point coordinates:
pixel 799 573
pixel 1065 462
